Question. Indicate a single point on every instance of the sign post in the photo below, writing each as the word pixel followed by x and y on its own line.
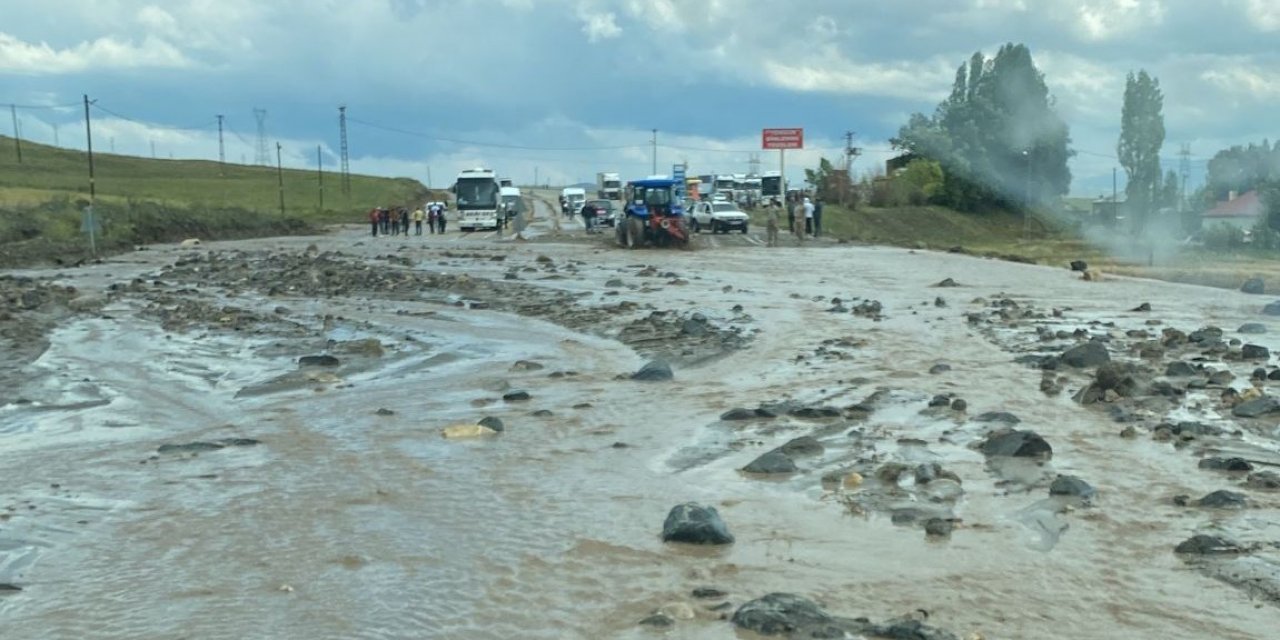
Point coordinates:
pixel 782 139
pixel 89 225
pixel 678 174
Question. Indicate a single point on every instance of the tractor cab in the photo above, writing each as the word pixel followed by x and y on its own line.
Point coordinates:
pixel 654 214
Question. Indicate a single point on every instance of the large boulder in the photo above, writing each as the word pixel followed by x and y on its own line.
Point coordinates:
pixel 773 462
pixel 1072 486
pixel 998 416
pixel 780 613
pixel 1223 499
pixel 1254 285
pixel 1254 352
pixel 1253 328
pixel 692 523
pixel 1179 369
pixel 1086 355
pixel 1016 444
pixel 1272 309
pixel 318 361
pixel 654 370
pixel 802 446
pixel 1205 545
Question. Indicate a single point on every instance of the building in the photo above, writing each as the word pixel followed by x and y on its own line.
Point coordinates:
pixel 1108 211
pixel 1240 211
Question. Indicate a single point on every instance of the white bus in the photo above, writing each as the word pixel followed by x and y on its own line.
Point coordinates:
pixel 477 199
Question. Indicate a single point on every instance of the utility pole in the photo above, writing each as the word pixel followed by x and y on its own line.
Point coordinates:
pixel 88 135
pixel 851 153
pixel 1115 197
pixel 655 152
pixel 1026 213
pixel 428 176
pixel 263 156
pixel 280 177
pixel 17 135
pixel 153 149
pixel 344 157
pixel 222 151
pixel 320 175
pixel 1184 168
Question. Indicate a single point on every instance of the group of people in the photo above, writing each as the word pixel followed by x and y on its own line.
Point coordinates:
pixel 804 218
pixel 390 222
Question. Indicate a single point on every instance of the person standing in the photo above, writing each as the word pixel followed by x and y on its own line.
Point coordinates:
pixel 771 225
pixel 384 219
pixel 442 217
pixel 808 217
pixel 373 221
pixel 589 217
pixel 791 205
pixel 817 217
pixel 433 215
pixel 404 220
pixel 418 217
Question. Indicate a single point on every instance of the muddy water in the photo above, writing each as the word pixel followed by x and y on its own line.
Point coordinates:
pixel 345 523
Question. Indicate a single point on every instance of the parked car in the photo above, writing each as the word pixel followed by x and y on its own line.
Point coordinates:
pixel 606 212
pixel 719 216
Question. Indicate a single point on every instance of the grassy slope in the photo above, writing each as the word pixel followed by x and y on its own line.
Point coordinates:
pixel 147 200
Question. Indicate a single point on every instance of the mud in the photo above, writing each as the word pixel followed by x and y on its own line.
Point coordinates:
pixel 256 427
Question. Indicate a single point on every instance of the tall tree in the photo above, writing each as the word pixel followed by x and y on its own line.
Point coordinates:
pixel 1170 191
pixel 997 136
pixel 1141 137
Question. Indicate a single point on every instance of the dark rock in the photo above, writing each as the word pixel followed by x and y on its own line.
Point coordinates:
pixel 516 396
pixel 542 413
pixel 1254 286
pixel 906 629
pixel 1181 500
pixel 1123 378
pixel 1254 352
pixel 492 423
pixel 239 442
pixel 1257 407
pixel 1198 429
pixel 770 463
pixel 1272 309
pixel 813 413
pixel 939 368
pixel 1079 265
pixel 1072 486
pixel 654 370
pixel 1085 355
pixel 1017 444
pixel 527 365
pixel 1226 464
pixel 802 446
pixel 940 401
pixel 1221 378
pixel 384 412
pixel 998 416
pixel 959 404
pixel 658 621
pixel 1142 308
pixel 1252 328
pixel 779 613
pixel 1259 374
pixel 693 523
pixel 739 414
pixel 1223 499
pixel 190 447
pixel 1274 375
pixel 6 587
pixel 1204 545
pixel 1179 369
pixel 1263 480
pixel 708 593
pixel 614 283
pixel 938 527
pixel 318 361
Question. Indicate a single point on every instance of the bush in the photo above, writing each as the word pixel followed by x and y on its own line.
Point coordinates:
pixel 1223 237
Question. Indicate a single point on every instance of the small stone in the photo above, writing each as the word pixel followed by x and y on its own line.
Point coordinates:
pixel 492 423
pixel 318 361
pixel 1207 545
pixel 959 404
pixel 1226 464
pixel 708 593
pixel 1252 328
pixel 1254 352
pixel 1129 432
pixel 939 368
pixel 773 462
pixel 658 621
pixel 384 412
pixel 1264 481
pixel 1223 499
pixel 516 396
pixel 1072 486
pixel 938 527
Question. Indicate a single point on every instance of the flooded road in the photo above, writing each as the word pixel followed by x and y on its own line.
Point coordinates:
pixel 327 504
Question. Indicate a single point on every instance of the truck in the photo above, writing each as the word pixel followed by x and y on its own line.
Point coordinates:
pixel 477 199
pixel 608 186
pixel 572 198
pixel 653 214
pixel 771 185
pixel 511 202
pixel 505 182
pixel 724 185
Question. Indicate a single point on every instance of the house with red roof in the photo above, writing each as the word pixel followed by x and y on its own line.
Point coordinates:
pixel 1240 211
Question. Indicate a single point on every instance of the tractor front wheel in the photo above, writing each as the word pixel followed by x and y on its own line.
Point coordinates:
pixel 635 233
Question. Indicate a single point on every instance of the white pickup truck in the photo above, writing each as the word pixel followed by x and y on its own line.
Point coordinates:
pixel 719 216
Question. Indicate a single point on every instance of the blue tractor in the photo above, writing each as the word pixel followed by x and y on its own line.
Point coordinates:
pixel 654 214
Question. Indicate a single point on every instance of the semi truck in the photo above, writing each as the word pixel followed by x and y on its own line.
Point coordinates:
pixel 477 198
pixel 608 186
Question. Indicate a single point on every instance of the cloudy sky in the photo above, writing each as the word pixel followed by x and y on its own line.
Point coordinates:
pixel 571 87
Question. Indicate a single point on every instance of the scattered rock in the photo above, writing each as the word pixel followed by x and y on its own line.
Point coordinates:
pixel 998 416
pixel 938 527
pixel 1079 265
pixel 693 523
pixel 1142 308
pixel 1254 286
pixel 959 404
pixel 802 446
pixel 939 368
pixel 739 414
pixel 1254 352
pixel 1256 408
pixel 654 370
pixel 1252 328
pixel 7 587
pixel 1223 499
pixel 1017 444
pixel 516 396
pixel 1226 464
pixel 190 242
pixel 1272 309
pixel 658 621
pixel 779 613
pixel 1179 369
pixel 708 593
pixel 383 411
pixel 773 462
pixel 1072 486
pixel 948 282
pixel 459 431
pixel 614 283
pixel 318 361
pixel 1263 480
pixel 492 423
pixel 527 365
pixel 1204 545
pixel 201 446
pixel 1086 355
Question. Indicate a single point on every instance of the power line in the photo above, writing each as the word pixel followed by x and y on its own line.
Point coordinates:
pixel 476 143
pixel 199 127
pixel 263 156
pixel 39 106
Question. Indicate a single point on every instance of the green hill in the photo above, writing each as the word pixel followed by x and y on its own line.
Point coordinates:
pixel 147 200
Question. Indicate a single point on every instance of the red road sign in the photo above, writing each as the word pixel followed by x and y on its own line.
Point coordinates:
pixel 783 138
